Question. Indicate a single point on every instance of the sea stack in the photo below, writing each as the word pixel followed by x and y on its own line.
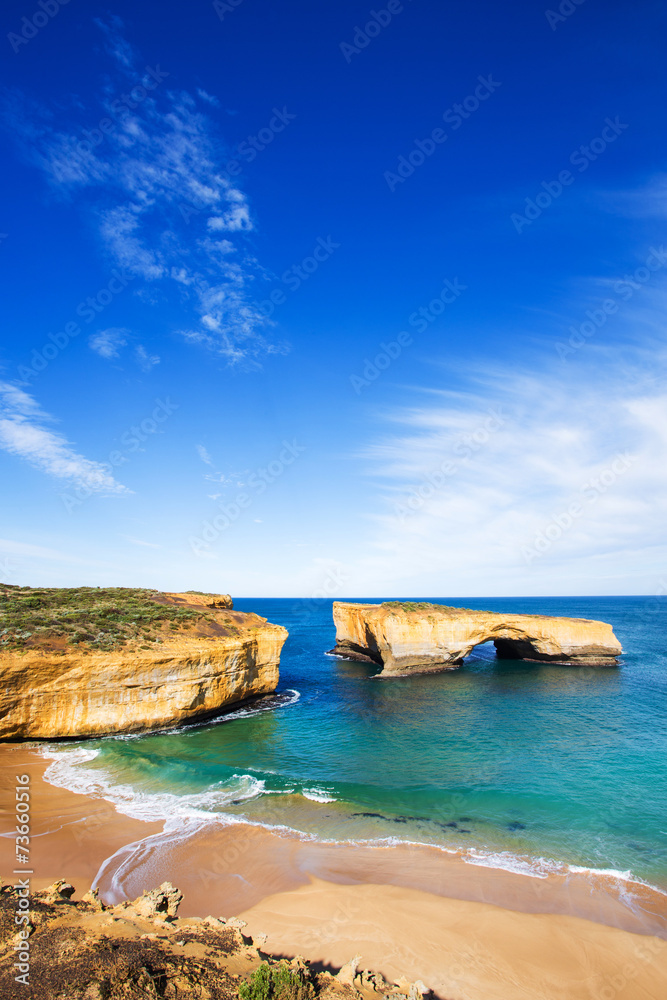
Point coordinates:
pixel 409 638
pixel 133 664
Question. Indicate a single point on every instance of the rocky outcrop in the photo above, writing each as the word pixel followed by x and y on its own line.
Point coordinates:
pixel 195 599
pixel 83 950
pixel 414 638
pixel 204 668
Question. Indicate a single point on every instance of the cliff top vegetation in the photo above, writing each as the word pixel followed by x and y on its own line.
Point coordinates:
pixel 101 618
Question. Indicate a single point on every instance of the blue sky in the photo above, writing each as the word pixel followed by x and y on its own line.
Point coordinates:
pixel 333 299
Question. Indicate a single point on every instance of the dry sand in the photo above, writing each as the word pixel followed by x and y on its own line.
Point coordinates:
pixel 459 949
pixel 469 933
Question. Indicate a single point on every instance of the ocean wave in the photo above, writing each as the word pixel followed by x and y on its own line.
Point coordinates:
pixel 65 771
pixel 183 814
pixel 318 795
pixel 267 703
pixel 505 860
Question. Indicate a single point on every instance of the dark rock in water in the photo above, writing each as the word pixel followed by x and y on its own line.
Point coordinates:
pixel 400 819
pixel 516 826
pixel 461 830
pixel 455 825
pixel 373 815
pixel 466 819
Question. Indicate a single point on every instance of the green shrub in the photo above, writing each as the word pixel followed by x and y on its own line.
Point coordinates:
pixel 103 618
pixel 277 982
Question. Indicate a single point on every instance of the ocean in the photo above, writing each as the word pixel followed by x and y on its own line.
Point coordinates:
pixel 532 767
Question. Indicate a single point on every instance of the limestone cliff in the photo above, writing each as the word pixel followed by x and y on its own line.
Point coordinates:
pixel 183 669
pixel 414 638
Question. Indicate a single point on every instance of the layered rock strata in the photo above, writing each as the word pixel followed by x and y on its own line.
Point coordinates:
pixel 414 638
pixel 210 665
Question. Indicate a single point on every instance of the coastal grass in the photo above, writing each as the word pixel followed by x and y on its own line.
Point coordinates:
pixel 277 982
pixel 101 618
pixel 421 606
pixel 410 605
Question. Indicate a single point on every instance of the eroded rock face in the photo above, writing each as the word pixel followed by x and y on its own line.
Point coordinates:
pixel 83 950
pixel 218 663
pixel 200 600
pixel 406 639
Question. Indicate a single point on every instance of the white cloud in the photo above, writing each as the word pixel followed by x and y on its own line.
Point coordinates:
pixel 107 343
pixel 140 541
pixel 204 455
pixel 145 360
pixel 236 218
pixel 157 188
pixel 649 201
pixel 116 45
pixel 466 494
pixel 209 98
pixel 22 433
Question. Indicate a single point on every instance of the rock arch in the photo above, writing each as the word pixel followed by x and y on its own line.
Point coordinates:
pixel 407 638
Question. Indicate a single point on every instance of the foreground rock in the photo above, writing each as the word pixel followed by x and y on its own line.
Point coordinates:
pixel 82 950
pixel 407 638
pixel 196 660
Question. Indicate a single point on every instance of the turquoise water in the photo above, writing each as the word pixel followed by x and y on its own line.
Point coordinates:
pixel 522 765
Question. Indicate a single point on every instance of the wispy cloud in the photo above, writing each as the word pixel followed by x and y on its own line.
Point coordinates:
pixel 141 542
pixel 209 98
pixel 22 433
pixel 154 183
pixel 107 343
pixel 470 480
pixel 646 202
pixel 145 360
pixel 204 455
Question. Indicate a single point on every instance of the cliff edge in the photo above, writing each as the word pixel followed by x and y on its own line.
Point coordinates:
pixel 406 638
pixel 92 661
pixel 69 949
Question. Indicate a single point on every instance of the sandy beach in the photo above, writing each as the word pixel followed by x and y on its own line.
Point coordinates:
pixel 468 932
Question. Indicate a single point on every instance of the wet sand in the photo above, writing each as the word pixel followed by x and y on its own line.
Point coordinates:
pixel 71 835
pixel 466 931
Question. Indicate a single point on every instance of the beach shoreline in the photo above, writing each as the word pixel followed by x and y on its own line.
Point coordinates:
pixel 410 910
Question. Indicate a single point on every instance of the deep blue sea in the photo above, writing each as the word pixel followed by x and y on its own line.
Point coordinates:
pixel 521 765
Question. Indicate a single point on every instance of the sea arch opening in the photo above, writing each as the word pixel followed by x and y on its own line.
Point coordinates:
pixel 509 644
